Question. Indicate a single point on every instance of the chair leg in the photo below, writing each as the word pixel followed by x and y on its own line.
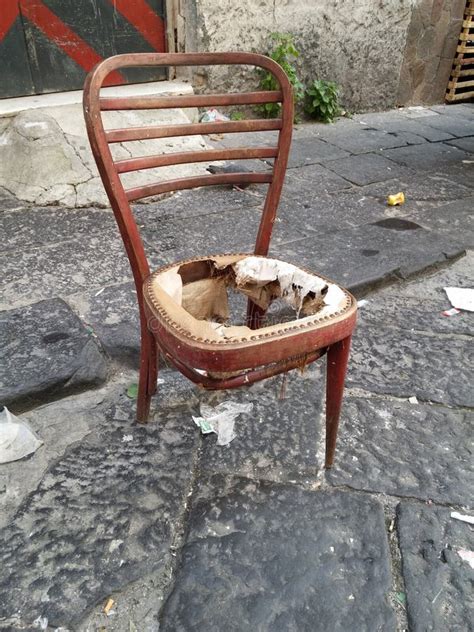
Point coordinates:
pixel 337 358
pixel 255 315
pixel 148 376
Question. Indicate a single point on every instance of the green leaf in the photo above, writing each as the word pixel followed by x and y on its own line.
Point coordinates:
pixel 132 391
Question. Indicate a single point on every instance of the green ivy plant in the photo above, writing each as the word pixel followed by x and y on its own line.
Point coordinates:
pixel 322 100
pixel 284 52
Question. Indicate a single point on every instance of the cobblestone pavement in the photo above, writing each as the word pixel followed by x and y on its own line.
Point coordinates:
pixel 185 535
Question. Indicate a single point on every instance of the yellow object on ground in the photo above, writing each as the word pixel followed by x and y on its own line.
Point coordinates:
pixel 395 200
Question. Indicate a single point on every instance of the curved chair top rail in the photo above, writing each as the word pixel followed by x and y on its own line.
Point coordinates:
pixel 110 169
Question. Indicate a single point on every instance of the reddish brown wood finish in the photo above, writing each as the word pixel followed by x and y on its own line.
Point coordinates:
pixel 338 357
pixel 190 101
pixel 261 357
pixel 179 158
pixel 192 129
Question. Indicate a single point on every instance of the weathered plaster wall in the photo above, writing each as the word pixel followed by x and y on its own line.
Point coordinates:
pixel 431 45
pixel 358 43
pixel 361 44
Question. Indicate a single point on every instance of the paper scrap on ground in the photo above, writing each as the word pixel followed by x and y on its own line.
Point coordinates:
pixel 467 556
pixel 461 297
pixel 221 419
pixel 463 517
pixel 17 439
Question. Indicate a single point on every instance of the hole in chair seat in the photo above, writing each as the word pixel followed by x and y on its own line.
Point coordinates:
pixel 208 297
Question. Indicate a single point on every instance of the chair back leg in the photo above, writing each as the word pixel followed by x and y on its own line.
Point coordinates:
pixel 337 359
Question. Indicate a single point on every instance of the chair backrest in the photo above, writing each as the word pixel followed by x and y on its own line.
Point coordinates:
pixel 110 169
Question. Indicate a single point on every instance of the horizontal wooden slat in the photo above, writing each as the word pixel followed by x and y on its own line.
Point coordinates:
pixel 460 97
pixel 179 158
pixel 460 84
pixel 466 37
pixel 466 72
pixel 464 48
pixel 191 129
pixel 196 181
pixel 189 100
pixel 463 61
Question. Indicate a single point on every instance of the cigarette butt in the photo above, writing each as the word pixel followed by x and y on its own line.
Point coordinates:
pixel 395 200
pixel 108 606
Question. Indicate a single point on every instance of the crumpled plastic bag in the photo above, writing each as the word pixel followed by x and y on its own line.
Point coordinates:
pixel 213 116
pixel 221 419
pixel 17 439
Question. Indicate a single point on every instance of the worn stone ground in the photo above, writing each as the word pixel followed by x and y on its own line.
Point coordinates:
pixel 185 535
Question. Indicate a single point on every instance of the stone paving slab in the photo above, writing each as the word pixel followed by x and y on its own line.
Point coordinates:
pixel 232 231
pixel 400 362
pixel 360 138
pixel 404 449
pixel 455 220
pixel 433 157
pixel 367 169
pixel 394 121
pixel 104 514
pixel 422 190
pixel 306 182
pixel 466 144
pixel 430 287
pixel 46 352
pixel 41 226
pixel 59 425
pixel 280 438
pixel 438 582
pixel 306 151
pixel 260 556
pixel 413 314
pixel 364 256
pixel 8 201
pixel 188 203
pixel 330 212
pixel 456 125
pixel 68 267
pixel 113 316
pixel 462 110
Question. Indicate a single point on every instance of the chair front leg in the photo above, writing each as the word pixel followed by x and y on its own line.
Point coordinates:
pixel 337 359
pixel 148 375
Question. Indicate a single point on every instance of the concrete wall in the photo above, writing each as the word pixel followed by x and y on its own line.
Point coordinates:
pixel 431 45
pixel 361 44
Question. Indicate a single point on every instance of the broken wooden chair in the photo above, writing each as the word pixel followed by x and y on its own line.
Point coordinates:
pixel 183 307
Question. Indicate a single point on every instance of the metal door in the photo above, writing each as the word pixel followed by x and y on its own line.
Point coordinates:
pixel 50 45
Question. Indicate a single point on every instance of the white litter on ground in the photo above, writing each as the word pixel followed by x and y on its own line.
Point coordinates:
pixel 221 419
pixel 463 517
pixel 17 439
pixel 461 297
pixel 467 556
